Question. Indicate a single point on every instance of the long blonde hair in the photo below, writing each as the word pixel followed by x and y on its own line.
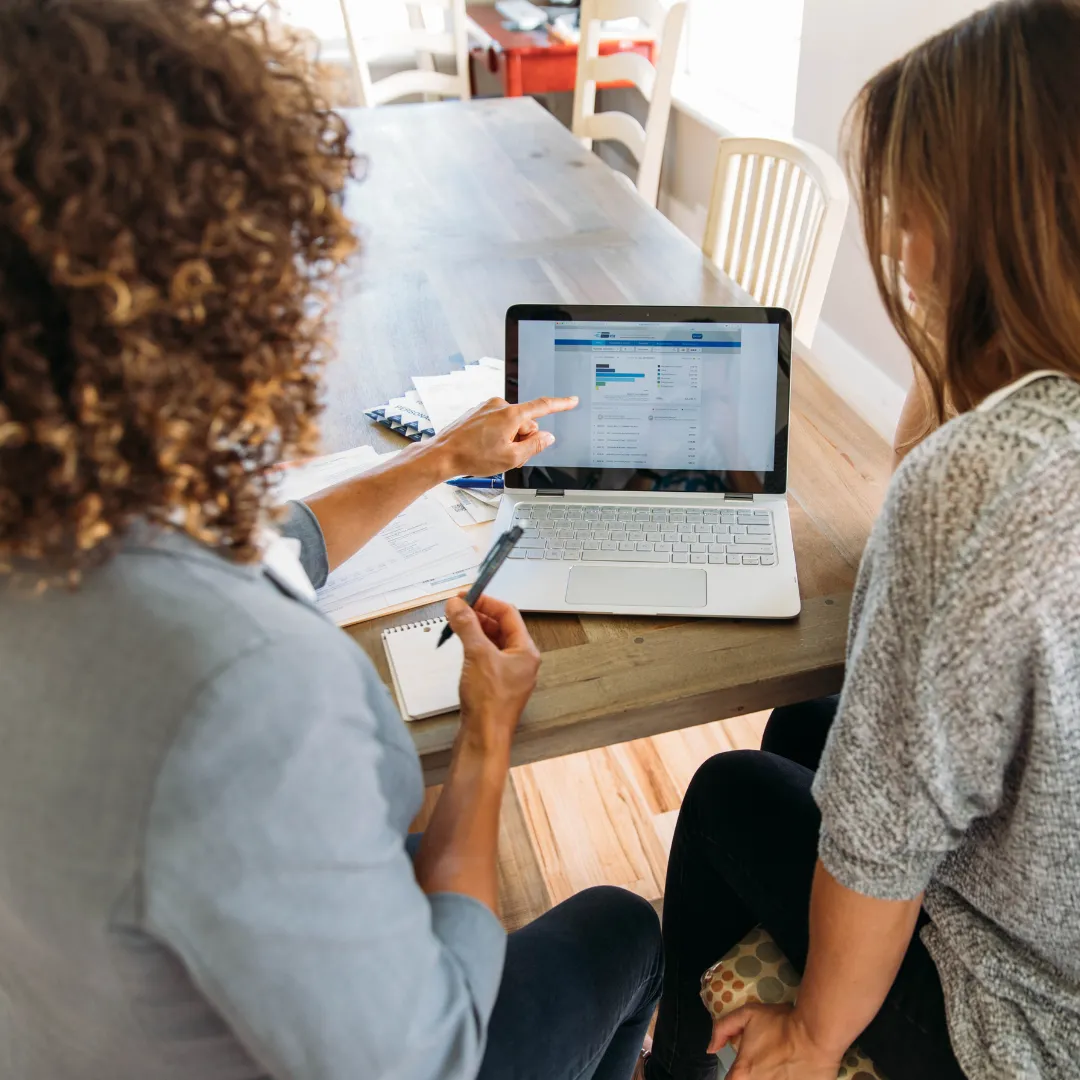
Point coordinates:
pixel 978 131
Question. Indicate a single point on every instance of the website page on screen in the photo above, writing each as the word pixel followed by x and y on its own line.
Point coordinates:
pixel 680 396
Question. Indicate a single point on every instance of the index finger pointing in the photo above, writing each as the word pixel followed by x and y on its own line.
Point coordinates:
pixel 545 405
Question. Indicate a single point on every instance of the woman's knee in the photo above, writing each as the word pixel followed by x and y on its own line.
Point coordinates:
pixel 733 776
pixel 746 785
pixel 627 918
pixel 633 914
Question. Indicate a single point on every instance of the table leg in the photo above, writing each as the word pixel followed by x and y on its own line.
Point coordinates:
pixel 512 82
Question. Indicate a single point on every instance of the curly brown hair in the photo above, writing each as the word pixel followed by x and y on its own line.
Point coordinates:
pixel 169 223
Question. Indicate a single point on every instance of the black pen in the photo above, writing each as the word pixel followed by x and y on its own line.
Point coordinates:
pixel 495 558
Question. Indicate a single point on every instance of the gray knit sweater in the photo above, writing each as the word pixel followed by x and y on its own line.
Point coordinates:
pixel 954 762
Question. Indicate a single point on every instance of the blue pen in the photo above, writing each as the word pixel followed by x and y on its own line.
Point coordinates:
pixel 489 483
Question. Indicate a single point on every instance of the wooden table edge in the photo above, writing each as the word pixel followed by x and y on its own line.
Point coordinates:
pixel 734 694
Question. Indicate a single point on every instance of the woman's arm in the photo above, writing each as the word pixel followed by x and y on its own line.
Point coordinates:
pixel 458 851
pixel 276 869
pixel 352 512
pixel 856 946
pixel 491 439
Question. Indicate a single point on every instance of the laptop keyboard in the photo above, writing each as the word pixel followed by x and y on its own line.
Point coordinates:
pixel 586 532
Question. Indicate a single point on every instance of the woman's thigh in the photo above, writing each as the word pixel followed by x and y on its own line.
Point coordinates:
pixel 743 854
pixel 572 978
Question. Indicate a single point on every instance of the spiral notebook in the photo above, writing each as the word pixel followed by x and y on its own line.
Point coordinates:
pixel 425 678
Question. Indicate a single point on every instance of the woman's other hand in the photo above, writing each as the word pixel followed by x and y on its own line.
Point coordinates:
pixel 495 436
pixel 458 851
pixel 773 1044
pixel 501 664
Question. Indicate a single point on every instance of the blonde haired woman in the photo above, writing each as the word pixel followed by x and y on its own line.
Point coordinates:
pixel 915 847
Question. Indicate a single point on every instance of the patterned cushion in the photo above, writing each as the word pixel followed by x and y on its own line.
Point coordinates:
pixel 757 971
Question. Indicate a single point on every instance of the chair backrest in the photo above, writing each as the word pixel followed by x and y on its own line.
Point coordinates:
pixel 449 40
pixel 775 218
pixel 664 21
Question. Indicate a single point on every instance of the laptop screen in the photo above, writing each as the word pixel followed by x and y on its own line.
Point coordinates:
pixel 673 404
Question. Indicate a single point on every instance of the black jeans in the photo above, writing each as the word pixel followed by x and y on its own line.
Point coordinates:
pixel 744 853
pixel 578 991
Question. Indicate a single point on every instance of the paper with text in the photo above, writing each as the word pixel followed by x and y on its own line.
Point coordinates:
pixel 419 553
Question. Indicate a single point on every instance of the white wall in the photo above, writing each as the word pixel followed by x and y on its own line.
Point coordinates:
pixel 844 42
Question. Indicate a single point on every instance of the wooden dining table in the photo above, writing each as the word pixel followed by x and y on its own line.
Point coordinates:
pixel 467 208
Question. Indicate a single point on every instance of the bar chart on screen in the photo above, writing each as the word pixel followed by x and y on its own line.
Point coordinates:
pixel 648 381
pixel 622 376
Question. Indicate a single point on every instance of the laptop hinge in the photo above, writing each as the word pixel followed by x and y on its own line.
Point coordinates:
pixel 553 493
pixel 737 496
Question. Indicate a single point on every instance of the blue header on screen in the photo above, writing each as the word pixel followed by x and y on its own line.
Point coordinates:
pixel 651 343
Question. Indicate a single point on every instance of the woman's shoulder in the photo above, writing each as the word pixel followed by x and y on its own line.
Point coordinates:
pixel 982 496
pixel 989 452
pixel 167 618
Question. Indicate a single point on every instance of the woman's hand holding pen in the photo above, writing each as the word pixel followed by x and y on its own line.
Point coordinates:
pixel 495 436
pixel 458 851
pixel 501 665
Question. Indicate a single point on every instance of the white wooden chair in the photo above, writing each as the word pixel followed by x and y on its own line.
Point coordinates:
pixel 664 21
pixel 775 219
pixel 421 41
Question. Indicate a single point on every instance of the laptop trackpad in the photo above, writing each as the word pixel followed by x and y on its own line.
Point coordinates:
pixel 664 588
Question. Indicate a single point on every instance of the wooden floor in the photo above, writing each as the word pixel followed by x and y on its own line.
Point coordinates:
pixel 606 816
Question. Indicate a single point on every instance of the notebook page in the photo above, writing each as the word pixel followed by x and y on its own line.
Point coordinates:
pixel 425 678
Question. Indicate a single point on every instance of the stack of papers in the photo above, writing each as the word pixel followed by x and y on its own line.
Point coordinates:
pixel 467 506
pixel 404 415
pixel 445 398
pixel 432 406
pixel 418 554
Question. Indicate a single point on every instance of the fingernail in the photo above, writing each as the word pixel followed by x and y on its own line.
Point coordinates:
pixel 546 439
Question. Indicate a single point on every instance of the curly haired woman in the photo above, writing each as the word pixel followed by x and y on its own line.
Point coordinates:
pixel 204 787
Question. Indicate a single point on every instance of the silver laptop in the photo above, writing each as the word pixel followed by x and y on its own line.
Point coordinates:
pixel 664 493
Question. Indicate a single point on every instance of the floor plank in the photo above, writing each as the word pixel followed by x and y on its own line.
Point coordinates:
pixel 744 732
pixel 523 894
pixel 647 768
pixel 589 825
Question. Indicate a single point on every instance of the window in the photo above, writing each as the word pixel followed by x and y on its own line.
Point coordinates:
pixel 320 17
pixel 377 18
pixel 746 52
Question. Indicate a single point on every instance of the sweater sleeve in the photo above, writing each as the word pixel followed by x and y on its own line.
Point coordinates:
pixel 301 524
pixel 931 710
pixel 276 869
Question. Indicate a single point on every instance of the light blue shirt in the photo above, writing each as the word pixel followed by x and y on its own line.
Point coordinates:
pixel 204 795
